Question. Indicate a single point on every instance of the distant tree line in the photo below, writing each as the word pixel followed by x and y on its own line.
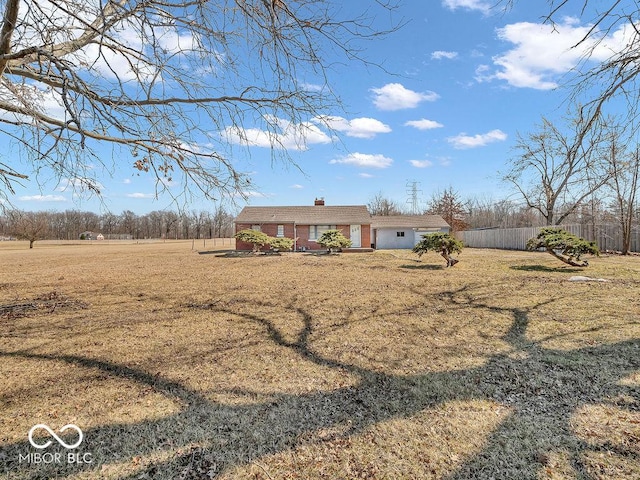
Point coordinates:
pixel 70 224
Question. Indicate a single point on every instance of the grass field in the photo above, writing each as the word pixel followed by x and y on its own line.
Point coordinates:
pixel 188 365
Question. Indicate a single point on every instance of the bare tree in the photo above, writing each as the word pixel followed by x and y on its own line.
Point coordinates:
pixel 555 171
pixel 198 219
pixel 624 185
pixel 31 226
pixel 485 212
pixel 222 223
pixel 166 83
pixel 109 223
pixel 127 221
pixel 171 220
pixel 381 205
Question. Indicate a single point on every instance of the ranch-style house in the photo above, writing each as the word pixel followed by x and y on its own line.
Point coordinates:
pixel 305 224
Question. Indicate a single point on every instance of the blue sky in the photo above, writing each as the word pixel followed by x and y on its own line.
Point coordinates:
pixel 460 80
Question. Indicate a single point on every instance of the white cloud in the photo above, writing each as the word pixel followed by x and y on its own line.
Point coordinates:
pixel 126 181
pixel 364 160
pixel 464 141
pixel 358 127
pixel 543 52
pixel 296 186
pixel 290 136
pixel 140 195
pixel 423 124
pixel 173 41
pixel 479 5
pixel 311 87
pixel 394 96
pixel 81 184
pixel 113 65
pixel 252 194
pixel 43 198
pixel 440 54
pixel 421 163
pixel 365 175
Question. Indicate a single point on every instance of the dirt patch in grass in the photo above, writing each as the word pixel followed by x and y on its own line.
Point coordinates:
pixel 192 366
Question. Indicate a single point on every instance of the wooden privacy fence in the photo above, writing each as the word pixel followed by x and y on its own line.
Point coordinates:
pixel 608 237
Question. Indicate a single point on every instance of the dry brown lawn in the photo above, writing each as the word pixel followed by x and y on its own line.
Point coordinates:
pixel 184 365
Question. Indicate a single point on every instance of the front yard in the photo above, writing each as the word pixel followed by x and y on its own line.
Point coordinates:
pixel 183 365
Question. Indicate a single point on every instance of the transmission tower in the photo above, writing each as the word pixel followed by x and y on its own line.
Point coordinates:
pixel 412 191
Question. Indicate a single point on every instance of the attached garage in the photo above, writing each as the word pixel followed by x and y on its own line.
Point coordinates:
pixel 404 231
pixel 391 238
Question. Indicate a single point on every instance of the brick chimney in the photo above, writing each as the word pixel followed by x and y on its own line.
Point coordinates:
pixel 319 202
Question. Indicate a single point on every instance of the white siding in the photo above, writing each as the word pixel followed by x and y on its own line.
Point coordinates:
pixel 387 238
pixel 425 231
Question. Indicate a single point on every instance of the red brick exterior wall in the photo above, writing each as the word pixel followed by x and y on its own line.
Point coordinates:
pixel 270 229
pixel 302 232
pixel 366 236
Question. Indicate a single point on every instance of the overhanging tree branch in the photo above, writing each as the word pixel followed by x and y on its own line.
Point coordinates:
pixel 168 78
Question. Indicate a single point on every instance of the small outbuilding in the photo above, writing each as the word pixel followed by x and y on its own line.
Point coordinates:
pixel 404 231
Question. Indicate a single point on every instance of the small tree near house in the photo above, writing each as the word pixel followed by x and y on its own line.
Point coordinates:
pixel 564 246
pixel 333 240
pixel 441 242
pixel 258 239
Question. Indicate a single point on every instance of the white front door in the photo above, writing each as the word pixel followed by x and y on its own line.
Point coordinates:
pixel 356 236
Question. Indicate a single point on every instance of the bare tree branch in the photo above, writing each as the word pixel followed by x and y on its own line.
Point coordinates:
pixel 556 170
pixel 163 80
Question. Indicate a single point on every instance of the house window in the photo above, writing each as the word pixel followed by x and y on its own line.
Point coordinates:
pixel 280 231
pixel 316 231
pixel 399 234
pixel 257 228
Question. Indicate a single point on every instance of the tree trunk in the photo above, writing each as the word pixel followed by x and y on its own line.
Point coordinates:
pixel 568 260
pixel 450 260
pixel 31 243
pixel 9 22
pixel 626 239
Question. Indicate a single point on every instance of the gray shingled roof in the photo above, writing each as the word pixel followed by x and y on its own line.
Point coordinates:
pixel 408 221
pixel 306 215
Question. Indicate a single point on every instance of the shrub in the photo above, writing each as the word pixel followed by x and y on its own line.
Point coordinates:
pixel 441 242
pixel 333 240
pixel 281 243
pixel 258 239
pixel 563 245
